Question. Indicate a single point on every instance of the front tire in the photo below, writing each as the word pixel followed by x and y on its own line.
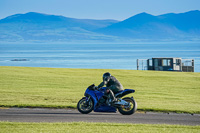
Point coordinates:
pixel 128 110
pixel 85 106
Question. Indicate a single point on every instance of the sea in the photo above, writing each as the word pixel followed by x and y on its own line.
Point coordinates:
pixel 94 56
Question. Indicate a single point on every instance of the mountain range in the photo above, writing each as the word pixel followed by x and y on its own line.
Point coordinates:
pixel 38 27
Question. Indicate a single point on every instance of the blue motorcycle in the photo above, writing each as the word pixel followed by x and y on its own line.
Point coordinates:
pixel 96 100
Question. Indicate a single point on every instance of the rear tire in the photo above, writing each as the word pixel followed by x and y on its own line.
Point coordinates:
pixel 84 107
pixel 128 110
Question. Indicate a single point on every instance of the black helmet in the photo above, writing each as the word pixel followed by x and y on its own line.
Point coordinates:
pixel 106 75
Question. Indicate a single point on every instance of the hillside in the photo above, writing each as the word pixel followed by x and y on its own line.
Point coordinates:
pixel 37 27
pixel 183 26
pixel 62 88
pixel 42 27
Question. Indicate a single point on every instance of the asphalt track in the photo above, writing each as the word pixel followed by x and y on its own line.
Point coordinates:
pixel 70 115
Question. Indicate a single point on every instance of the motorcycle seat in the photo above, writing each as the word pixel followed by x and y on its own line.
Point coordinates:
pixel 124 92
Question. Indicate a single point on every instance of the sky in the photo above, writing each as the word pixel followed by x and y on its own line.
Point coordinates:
pixel 97 9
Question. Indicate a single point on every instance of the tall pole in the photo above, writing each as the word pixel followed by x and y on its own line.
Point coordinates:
pixel 142 65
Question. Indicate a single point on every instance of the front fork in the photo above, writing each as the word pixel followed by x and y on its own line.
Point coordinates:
pixel 87 99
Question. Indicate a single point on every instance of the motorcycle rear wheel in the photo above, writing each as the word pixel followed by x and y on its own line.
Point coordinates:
pixel 124 110
pixel 85 107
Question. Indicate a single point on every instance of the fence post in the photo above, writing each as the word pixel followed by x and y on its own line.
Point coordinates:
pixel 137 64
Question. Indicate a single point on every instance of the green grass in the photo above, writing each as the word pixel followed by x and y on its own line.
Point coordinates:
pixel 83 127
pixel 62 88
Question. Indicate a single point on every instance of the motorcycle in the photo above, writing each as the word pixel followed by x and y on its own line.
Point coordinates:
pixel 96 100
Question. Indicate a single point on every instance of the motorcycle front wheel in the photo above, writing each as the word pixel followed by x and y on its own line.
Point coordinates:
pixel 85 106
pixel 129 109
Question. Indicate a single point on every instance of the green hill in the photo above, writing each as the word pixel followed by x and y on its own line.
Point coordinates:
pixel 63 87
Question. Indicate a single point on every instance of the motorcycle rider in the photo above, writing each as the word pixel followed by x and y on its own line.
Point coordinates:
pixel 112 84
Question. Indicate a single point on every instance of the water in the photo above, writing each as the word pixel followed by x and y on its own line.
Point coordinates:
pixel 108 56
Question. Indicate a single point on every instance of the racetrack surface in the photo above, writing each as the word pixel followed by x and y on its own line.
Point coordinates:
pixel 72 115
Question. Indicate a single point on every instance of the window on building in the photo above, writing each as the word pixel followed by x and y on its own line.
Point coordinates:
pixel 178 61
pixel 159 62
pixel 166 62
pixel 150 63
pixel 187 63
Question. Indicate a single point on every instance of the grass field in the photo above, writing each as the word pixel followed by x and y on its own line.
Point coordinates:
pixel 83 127
pixel 62 88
